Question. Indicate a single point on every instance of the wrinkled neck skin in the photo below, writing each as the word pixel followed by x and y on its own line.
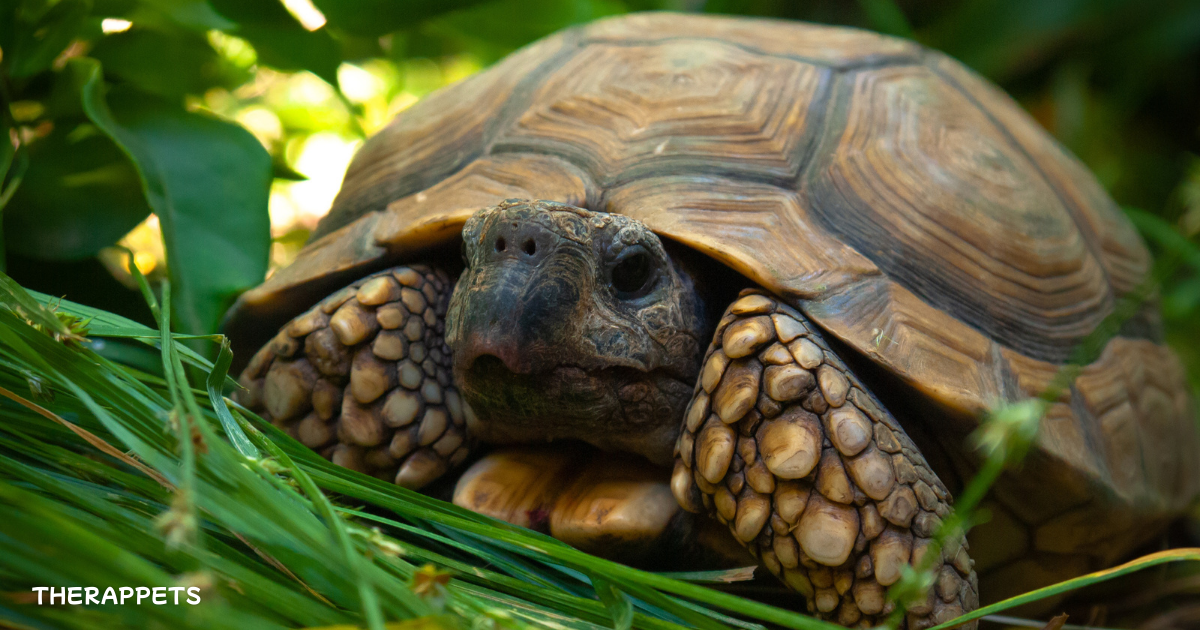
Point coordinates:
pixel 571 324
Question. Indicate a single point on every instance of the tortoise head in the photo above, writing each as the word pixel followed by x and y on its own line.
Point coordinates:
pixel 572 324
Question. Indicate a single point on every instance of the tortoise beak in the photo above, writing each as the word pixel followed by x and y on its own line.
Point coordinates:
pixel 520 301
pixel 481 346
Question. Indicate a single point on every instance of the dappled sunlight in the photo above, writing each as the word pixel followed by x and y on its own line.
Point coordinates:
pixel 322 159
pixel 310 129
pixel 145 242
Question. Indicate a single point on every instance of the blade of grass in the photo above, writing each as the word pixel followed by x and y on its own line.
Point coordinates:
pixel 14 297
pixel 616 601
pixel 723 576
pixel 250 506
pixel 366 591
pixel 1042 625
pixel 216 378
pixel 1154 559
pixel 90 437
pixel 543 548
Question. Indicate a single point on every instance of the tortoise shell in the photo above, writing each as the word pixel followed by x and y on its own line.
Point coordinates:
pixel 903 203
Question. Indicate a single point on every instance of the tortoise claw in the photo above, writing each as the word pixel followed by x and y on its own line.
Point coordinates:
pixel 784 445
pixel 364 378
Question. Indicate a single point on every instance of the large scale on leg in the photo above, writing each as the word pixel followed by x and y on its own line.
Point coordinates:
pixel 364 378
pixel 904 209
pixel 783 444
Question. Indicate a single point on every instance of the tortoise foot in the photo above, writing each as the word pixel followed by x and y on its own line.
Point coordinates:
pixel 364 378
pixel 784 445
pixel 614 505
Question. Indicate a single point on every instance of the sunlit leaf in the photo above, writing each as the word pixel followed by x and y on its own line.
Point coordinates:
pixel 378 17
pixel 281 42
pixel 291 47
pixel 169 64
pixel 208 182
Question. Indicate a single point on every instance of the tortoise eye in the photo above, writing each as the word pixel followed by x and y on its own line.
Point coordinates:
pixel 631 275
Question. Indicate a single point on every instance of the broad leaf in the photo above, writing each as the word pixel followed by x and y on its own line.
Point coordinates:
pixel 491 33
pixel 208 181
pixel 7 150
pixel 169 64
pixel 290 47
pixel 79 194
pixel 372 18
pixel 280 41
pixel 194 15
pixel 40 31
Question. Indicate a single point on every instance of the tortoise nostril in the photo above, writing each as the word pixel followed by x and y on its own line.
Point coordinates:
pixel 488 364
pixel 500 244
pixel 530 247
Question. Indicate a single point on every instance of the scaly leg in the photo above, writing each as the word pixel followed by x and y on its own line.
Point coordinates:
pixel 364 378
pixel 784 444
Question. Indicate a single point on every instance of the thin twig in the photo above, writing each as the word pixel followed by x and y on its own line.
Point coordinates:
pixel 283 569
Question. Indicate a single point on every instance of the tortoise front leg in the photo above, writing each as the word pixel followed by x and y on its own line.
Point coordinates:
pixel 364 378
pixel 784 444
pixel 614 505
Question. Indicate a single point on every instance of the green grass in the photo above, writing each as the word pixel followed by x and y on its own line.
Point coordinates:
pixel 113 476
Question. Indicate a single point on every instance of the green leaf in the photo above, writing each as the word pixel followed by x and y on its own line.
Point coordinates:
pixel 169 64
pixel 208 181
pixel 886 16
pixel 372 18
pixel 617 603
pixel 215 383
pixel 79 194
pixel 15 298
pixel 1182 300
pixel 290 47
pixel 13 165
pixel 1165 236
pixel 253 11
pixel 40 34
pixel 65 98
pixel 195 15
pixel 999 39
pixel 280 41
pixel 489 30
pixel 7 150
pixel 104 324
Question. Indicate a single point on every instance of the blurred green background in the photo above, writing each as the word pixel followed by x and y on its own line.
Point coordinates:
pixel 209 137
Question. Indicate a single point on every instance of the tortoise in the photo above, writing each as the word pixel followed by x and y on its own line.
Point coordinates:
pixel 777 271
